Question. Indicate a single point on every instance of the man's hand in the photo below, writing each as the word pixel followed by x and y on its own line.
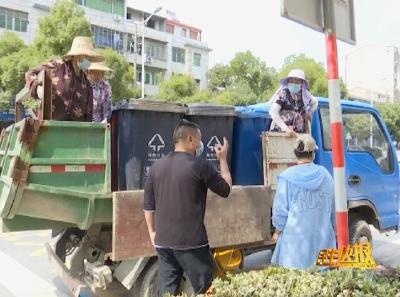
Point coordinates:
pixel 152 238
pixel 222 150
pixel 150 221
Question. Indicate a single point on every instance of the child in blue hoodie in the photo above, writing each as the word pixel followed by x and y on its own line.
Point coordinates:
pixel 303 212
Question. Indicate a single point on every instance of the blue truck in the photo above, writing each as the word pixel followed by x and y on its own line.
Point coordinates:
pixel 58 176
pixel 372 170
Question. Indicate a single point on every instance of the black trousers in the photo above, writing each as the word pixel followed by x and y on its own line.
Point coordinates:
pixel 197 264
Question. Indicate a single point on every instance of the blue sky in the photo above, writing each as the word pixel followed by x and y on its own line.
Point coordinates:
pixel 233 26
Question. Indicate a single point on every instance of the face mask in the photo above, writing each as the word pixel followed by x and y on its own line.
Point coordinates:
pixel 294 88
pixel 84 64
pixel 200 149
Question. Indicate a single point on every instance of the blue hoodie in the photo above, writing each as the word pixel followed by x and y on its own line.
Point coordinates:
pixel 304 211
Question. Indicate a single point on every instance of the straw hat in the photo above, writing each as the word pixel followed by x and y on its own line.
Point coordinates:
pixel 99 66
pixel 82 46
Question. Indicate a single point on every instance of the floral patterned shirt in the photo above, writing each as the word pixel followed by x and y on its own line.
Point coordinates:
pixel 292 110
pixel 71 93
pixel 101 100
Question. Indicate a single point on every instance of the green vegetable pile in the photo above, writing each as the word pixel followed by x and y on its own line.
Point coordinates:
pixel 281 282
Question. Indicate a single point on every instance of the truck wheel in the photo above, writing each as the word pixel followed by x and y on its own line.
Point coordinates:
pixel 147 283
pixel 359 230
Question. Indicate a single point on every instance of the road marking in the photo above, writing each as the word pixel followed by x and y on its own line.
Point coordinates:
pixel 22 283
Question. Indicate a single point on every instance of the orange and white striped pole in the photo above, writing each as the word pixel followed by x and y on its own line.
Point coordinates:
pixel 335 111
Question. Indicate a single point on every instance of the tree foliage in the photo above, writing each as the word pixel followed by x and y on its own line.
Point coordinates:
pixel 391 115
pixel 245 67
pixel 57 30
pixel 178 88
pixel 10 43
pixel 15 61
pixel 122 76
pixel 245 80
pixel 219 77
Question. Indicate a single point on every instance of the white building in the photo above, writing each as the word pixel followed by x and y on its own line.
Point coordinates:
pixel 373 74
pixel 171 47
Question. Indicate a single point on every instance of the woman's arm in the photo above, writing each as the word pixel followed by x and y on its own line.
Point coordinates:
pixel 280 209
pixel 274 111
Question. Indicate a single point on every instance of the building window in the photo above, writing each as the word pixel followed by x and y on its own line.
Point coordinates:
pixel 107 38
pixel 109 6
pixel 153 78
pixel 196 59
pixel 170 28
pixel 183 32
pixel 13 20
pixel 178 55
pixel 193 35
pixel 155 50
pixel 130 44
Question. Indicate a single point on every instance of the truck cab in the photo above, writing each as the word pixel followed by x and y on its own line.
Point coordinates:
pixel 372 171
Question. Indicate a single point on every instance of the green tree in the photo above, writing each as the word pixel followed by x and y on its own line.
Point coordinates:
pixel 178 88
pixel 122 77
pixel 10 42
pixel 203 96
pixel 391 115
pixel 315 72
pixel 245 67
pixel 57 30
pixel 219 76
pixel 238 93
pixel 12 76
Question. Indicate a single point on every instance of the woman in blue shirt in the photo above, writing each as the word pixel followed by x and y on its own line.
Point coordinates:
pixel 303 210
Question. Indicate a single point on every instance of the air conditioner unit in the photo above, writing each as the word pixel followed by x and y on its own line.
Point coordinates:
pixel 117 18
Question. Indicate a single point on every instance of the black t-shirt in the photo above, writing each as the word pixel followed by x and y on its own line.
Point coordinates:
pixel 177 191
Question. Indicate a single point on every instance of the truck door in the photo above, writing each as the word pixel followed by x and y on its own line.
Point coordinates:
pixel 370 163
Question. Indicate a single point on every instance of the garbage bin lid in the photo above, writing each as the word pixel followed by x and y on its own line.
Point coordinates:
pixel 153 105
pixel 252 114
pixel 209 109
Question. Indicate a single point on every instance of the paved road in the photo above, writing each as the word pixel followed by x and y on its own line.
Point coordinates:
pixel 25 272
pixel 24 268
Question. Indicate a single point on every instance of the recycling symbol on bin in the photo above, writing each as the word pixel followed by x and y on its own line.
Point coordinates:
pixel 156 143
pixel 212 143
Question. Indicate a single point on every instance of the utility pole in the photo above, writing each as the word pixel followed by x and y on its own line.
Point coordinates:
pixel 335 111
pixel 144 23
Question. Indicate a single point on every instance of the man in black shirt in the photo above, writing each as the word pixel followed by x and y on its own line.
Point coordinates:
pixel 174 207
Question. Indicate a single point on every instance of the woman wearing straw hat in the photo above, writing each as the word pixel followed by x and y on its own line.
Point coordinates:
pixel 292 104
pixel 101 92
pixel 71 90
